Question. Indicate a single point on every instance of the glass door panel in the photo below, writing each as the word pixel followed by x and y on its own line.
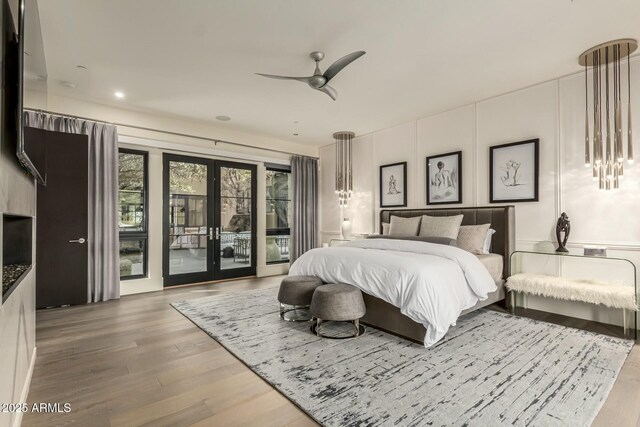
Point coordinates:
pixel 188 220
pixel 235 217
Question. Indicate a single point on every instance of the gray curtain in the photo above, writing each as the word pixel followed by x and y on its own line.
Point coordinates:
pixel 102 239
pixel 304 176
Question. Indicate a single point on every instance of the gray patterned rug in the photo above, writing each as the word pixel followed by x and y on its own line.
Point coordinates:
pixel 493 369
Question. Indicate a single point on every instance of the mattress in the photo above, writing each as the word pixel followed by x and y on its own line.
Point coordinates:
pixel 494 264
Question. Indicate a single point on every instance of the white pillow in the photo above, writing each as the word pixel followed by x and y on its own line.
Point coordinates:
pixel 487 241
pixel 446 227
pixel 400 226
pixel 385 228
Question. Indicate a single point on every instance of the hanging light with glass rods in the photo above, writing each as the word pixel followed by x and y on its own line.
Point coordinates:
pixel 344 174
pixel 604 151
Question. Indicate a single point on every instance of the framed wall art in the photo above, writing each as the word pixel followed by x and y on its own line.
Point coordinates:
pixel 393 185
pixel 444 178
pixel 513 172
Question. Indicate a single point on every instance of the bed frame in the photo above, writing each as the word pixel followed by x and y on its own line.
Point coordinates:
pixel 382 315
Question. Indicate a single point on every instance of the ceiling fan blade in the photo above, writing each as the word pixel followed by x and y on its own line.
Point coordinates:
pixel 337 66
pixel 329 91
pixel 272 76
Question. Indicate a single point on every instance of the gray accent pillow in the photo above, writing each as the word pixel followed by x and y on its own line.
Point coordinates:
pixel 438 240
pixel 441 226
pixel 400 226
pixel 385 228
pixel 471 238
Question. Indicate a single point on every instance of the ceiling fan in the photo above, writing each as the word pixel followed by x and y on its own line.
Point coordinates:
pixel 319 79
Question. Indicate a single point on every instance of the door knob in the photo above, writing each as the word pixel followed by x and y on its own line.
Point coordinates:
pixel 81 240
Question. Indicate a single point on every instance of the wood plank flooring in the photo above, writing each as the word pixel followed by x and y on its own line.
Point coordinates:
pixel 138 362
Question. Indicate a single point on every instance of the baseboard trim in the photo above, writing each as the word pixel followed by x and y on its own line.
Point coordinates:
pixel 17 421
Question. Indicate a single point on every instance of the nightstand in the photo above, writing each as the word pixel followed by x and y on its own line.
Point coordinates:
pixel 340 241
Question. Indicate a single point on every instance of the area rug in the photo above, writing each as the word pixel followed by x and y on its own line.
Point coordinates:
pixel 492 368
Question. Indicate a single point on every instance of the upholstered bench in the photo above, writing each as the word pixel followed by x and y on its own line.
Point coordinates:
pixel 296 292
pixel 613 295
pixel 338 302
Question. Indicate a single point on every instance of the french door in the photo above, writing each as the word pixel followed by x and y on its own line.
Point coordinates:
pixel 209 220
pixel 235 220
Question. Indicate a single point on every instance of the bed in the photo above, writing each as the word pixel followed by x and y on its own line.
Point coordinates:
pixel 385 316
pixel 432 283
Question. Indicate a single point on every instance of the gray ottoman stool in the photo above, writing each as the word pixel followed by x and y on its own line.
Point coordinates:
pixel 296 292
pixel 339 303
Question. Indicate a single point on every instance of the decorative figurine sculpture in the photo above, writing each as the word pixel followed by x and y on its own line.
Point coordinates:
pixel 563 226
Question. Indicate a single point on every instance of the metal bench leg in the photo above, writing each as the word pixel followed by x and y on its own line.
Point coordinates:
pixel 625 323
pixel 512 302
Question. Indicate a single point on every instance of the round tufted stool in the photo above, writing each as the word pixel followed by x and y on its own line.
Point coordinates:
pixel 296 292
pixel 339 303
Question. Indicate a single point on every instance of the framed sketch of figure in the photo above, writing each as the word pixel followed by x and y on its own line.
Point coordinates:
pixel 444 178
pixel 393 185
pixel 513 172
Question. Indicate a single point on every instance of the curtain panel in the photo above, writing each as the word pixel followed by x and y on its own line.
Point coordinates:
pixel 304 230
pixel 103 241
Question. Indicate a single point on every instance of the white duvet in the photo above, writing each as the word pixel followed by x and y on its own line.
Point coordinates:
pixel 430 283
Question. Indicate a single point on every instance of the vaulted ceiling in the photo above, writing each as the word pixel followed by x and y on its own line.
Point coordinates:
pixel 197 58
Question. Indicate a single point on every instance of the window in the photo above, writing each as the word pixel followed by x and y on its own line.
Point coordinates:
pixel 132 213
pixel 278 213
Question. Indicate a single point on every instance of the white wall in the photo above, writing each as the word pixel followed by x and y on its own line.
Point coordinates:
pixel 447 132
pixel 156 144
pixel 551 111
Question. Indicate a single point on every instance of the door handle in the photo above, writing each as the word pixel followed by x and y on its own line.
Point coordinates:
pixel 81 240
pixel 210 233
pixel 217 233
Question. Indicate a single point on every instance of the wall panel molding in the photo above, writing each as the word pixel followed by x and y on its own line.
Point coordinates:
pixel 552 111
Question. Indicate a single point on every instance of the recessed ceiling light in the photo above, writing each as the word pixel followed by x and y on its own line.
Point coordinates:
pixel 295 121
pixel 223 118
pixel 68 84
pixel 119 94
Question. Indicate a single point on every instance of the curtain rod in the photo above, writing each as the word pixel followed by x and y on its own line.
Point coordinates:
pixel 185 135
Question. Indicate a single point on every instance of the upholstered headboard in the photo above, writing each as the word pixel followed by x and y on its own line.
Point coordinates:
pixel 501 218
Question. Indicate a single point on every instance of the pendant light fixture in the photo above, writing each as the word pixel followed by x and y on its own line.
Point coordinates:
pixel 605 154
pixel 344 178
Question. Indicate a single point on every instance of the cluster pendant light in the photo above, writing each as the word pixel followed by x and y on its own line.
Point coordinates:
pixel 605 151
pixel 344 177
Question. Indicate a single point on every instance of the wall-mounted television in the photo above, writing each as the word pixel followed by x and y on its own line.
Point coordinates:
pixel 30 73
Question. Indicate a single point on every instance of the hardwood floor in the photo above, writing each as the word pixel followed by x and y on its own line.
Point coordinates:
pixel 137 361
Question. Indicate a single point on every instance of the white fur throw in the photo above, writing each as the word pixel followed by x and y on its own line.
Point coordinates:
pixel 615 295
